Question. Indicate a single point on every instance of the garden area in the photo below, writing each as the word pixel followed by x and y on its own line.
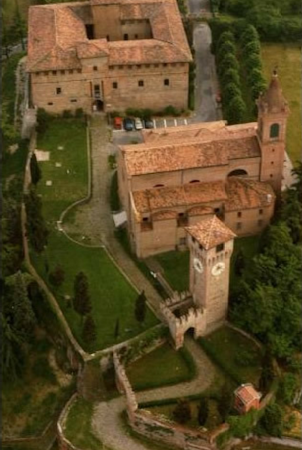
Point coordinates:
pixel 176 268
pixel 147 372
pixel 236 355
pixel 112 298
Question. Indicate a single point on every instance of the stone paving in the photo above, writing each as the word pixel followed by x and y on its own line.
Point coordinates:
pixel 107 423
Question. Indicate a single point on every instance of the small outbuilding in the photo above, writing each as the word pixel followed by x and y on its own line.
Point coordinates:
pixel 246 398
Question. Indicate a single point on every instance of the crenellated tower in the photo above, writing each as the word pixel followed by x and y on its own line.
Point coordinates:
pixel 272 118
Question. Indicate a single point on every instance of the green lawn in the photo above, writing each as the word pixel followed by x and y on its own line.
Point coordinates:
pixel 236 354
pixel 176 269
pixel 287 57
pixel 111 295
pixel 162 366
pixel 78 428
pixel 32 400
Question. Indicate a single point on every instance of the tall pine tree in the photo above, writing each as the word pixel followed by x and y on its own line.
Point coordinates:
pixel 89 330
pixel 81 300
pixel 140 307
pixel 35 171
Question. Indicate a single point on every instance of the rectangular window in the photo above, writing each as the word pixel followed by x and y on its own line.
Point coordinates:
pixel 108 37
pixel 114 85
pixel 136 36
pixel 147 66
pixel 139 67
pixel 50 103
pixel 120 67
pixel 45 73
pixel 167 82
pixel 79 70
pixel 74 100
pixel 141 83
pixel 130 67
pixel 58 90
pixel 220 247
pixel 260 211
pixel 54 72
pixel 95 68
pixel 126 37
pixel 239 214
pixel 238 226
pixel 37 74
pixel 182 241
pixel 62 72
pixel 70 71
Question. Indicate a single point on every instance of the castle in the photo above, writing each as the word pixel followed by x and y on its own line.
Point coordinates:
pixel 107 55
pixel 180 176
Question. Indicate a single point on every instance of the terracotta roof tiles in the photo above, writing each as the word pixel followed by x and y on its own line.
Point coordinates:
pixel 210 232
pixel 247 393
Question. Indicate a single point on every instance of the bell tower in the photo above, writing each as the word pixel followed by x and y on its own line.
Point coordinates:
pixel 211 245
pixel 272 117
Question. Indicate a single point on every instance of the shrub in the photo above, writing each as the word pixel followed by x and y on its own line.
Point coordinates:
pixel 67 114
pixel 249 34
pixel 230 91
pixel 230 76
pixel 171 111
pixel 287 389
pixel 229 61
pixel 43 119
pixel 224 37
pixel 57 276
pixel 79 113
pixel 272 420
pixel 252 47
pixel 241 426
pixel 182 411
pixel 236 110
pixel 227 48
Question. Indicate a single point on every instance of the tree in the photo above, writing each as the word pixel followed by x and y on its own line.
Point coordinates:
pixel 57 276
pixel 229 61
pixel 35 225
pixel 288 387
pixel 239 262
pixel 230 76
pixel 11 350
pixel 81 300
pixel 182 411
pixel 140 307
pixel 225 402
pixel 230 91
pixel 117 329
pixel 272 420
pixel 227 47
pixel 89 330
pixel 236 110
pixel 203 411
pixel 35 171
pixel 18 26
pixel 267 372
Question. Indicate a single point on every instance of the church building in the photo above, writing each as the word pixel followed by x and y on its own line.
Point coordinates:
pixel 180 176
pixel 107 55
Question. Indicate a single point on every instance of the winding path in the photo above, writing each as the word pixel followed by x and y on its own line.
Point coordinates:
pixel 107 422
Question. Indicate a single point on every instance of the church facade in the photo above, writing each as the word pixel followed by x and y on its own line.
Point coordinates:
pixel 180 176
pixel 107 55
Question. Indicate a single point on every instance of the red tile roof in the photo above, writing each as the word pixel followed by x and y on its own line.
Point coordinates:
pixel 210 232
pixel 247 393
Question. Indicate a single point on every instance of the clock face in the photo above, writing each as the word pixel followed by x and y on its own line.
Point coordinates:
pixel 218 269
pixel 197 265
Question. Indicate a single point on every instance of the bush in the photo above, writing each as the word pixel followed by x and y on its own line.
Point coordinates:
pixel 227 47
pixel 43 119
pixel 67 114
pixel 230 76
pixel 230 91
pixel 241 426
pixel 114 196
pixel 249 34
pixel 287 389
pixel 252 47
pixel 236 110
pixel 57 276
pixel 226 36
pixel 272 420
pixel 229 61
pixel 171 111
pixel 79 113
pixel 182 411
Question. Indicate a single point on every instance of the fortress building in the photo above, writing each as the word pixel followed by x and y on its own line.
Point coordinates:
pixel 180 176
pixel 108 55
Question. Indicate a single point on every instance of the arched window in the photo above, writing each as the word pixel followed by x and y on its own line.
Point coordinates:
pixel 237 173
pixel 195 181
pixel 158 185
pixel 274 130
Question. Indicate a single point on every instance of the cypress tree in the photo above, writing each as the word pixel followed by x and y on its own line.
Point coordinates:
pixel 89 330
pixel 81 300
pixel 140 307
pixel 35 171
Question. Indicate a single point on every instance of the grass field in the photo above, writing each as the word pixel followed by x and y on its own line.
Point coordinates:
pixel 287 57
pixel 147 372
pixel 112 296
pixel 236 354
pixel 176 269
pixel 78 426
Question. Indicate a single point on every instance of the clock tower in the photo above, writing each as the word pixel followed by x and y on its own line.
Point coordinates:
pixel 211 245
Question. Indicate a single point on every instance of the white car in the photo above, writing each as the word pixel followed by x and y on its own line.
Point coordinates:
pixel 138 123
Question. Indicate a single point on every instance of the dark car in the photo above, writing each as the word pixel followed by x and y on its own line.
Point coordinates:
pixel 128 124
pixel 149 123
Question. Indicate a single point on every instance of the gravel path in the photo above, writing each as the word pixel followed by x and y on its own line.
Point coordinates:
pixel 107 423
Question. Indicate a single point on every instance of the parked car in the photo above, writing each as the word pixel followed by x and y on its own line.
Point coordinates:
pixel 149 123
pixel 117 123
pixel 138 123
pixel 128 124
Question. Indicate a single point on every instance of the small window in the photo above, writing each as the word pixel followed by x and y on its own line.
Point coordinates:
pixel 62 72
pixel 120 67
pixel 193 239
pixel 95 68
pixel 139 66
pixel 260 211
pixel 194 181
pixel 167 82
pixel 145 219
pixel 74 100
pixel 114 85
pixel 156 65
pixel 220 247
pixel 130 67
pixel 58 90
pixel 136 36
pixel 239 214
pixel 238 226
pixel 45 73
pixel 111 67
pixel 126 37
pixel 271 175
pixel 141 83
pixel 70 71
pixel 37 74
pixel 260 223
pixel 158 185
pixel 180 214
pixel 165 64
pixel 273 150
pixel 54 72
pixel 147 66
pixel 182 241
pixel 216 210
pixel 274 130
pixel 272 163
pixel 50 103
pixel 108 37
pixel 79 70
